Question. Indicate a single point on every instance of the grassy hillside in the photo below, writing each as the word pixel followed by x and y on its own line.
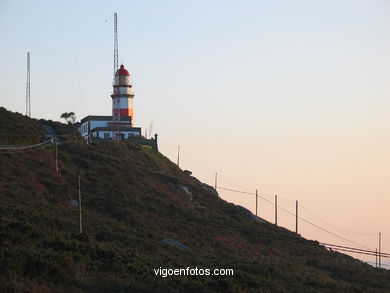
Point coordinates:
pixel 132 199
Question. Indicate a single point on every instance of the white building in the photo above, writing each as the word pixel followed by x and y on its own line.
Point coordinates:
pixel 103 127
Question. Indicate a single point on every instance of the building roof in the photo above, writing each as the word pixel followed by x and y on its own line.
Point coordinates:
pixel 121 129
pixel 122 71
pixel 103 118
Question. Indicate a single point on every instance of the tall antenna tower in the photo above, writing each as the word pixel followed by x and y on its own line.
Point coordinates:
pixel 115 43
pixel 116 115
pixel 28 100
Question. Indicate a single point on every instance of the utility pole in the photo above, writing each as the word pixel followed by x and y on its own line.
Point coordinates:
pixel 257 195
pixel 28 98
pixel 178 156
pixel 276 210
pixel 296 217
pixel 80 218
pixel 215 182
pixel 55 139
pixel 379 257
pixel 376 257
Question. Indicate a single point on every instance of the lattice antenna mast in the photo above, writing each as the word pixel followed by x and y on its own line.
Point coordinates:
pixel 115 43
pixel 116 113
pixel 28 99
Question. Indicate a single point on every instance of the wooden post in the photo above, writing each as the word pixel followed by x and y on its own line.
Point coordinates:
pixel 256 201
pixel 56 154
pixel 276 210
pixel 376 257
pixel 215 182
pixel 296 217
pixel 80 218
pixel 379 256
pixel 178 156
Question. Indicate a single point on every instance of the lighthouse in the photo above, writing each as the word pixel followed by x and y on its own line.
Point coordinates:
pixel 120 125
pixel 122 98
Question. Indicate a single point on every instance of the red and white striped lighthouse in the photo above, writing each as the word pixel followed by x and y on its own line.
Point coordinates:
pixel 122 97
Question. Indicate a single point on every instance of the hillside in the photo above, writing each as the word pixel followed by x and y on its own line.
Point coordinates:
pixel 132 198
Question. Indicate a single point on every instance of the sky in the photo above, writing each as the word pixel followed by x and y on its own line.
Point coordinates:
pixel 287 97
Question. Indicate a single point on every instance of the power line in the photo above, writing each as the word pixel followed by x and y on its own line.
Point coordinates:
pixel 331 246
pixel 275 236
pixel 357 249
pixel 251 193
pixel 341 229
pixel 265 199
pixel 288 212
pixel 95 28
pixel 234 190
pixel 292 214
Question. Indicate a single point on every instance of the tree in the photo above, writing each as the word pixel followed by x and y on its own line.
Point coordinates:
pixel 70 117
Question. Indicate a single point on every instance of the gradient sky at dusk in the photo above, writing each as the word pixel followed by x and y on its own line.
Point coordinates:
pixel 289 97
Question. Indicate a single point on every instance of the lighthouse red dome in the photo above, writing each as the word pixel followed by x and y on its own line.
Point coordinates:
pixel 122 71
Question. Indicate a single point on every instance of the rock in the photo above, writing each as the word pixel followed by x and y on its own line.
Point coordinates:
pixel 252 216
pixel 74 203
pixel 185 189
pixel 176 243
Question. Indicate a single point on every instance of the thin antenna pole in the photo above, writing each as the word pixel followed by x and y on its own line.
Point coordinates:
pixel 256 201
pixel 379 257
pixel 276 210
pixel 80 218
pixel 28 97
pixel 178 156
pixel 216 179
pixel 296 217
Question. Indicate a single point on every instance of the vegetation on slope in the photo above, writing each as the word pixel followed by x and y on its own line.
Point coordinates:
pixel 132 199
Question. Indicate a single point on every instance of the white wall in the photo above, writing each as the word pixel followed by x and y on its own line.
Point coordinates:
pixel 123 103
pixel 123 90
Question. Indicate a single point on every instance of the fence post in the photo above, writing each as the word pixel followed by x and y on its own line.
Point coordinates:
pixel 80 218
pixel 276 210
pixel 296 217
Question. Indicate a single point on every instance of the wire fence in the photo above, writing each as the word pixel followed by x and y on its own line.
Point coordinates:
pixel 349 249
